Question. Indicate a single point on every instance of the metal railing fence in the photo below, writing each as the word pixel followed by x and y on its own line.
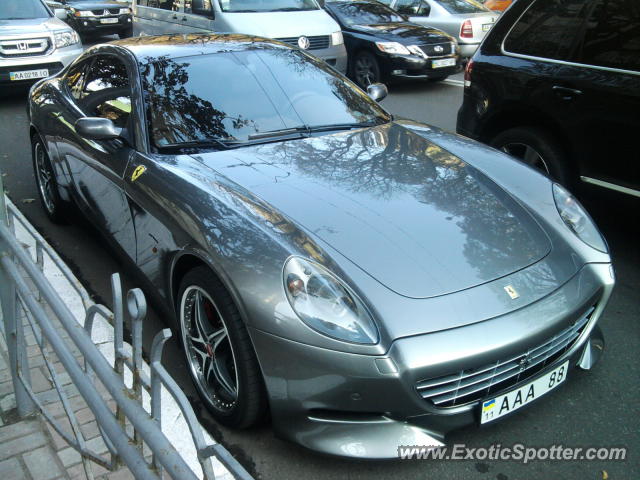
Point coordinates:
pixel 24 289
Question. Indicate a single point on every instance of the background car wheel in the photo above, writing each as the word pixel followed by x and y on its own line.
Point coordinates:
pixel 219 352
pixel 46 181
pixel 366 69
pixel 126 33
pixel 536 148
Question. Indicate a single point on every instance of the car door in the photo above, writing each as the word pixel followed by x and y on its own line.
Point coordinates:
pixel 600 91
pixel 96 168
pixel 158 17
pixel 199 16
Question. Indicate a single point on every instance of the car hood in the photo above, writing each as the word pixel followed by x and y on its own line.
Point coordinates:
pixel 31 25
pixel 278 24
pixel 404 32
pixel 96 5
pixel 415 217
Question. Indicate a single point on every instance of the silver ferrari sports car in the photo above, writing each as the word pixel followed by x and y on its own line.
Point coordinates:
pixel 369 281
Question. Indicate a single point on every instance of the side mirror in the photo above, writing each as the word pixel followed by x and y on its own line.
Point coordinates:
pixel 377 91
pixel 97 128
pixel 60 13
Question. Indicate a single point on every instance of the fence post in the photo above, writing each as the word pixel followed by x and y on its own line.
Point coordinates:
pixel 15 342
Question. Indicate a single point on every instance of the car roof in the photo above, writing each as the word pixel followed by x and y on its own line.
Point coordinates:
pixel 148 49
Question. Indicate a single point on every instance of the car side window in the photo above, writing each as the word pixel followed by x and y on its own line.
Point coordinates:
pixel 548 29
pixel 173 5
pixel 107 91
pixel 612 35
pixel 74 80
pixel 413 8
pixel 199 7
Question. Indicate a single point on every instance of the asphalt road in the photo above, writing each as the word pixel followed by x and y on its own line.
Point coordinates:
pixel 597 408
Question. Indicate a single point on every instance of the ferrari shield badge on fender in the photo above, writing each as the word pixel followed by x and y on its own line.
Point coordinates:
pixel 138 172
pixel 511 292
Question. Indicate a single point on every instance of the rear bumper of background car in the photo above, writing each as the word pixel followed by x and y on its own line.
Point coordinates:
pixel 364 406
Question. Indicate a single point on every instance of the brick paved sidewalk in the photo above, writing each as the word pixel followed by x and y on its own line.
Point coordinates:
pixel 30 448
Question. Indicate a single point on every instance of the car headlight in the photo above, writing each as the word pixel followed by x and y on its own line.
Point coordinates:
pixel 66 38
pixel 124 11
pixel 337 38
pixel 393 47
pixel 81 13
pixel 326 304
pixel 577 219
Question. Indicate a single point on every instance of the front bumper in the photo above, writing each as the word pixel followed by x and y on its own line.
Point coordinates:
pixel 364 406
pixel 97 25
pixel 53 62
pixel 336 56
pixel 413 67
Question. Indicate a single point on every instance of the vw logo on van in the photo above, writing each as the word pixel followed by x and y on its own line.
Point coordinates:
pixel 304 43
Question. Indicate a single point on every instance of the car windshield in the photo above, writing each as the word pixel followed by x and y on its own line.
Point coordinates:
pixel 463 6
pixel 241 96
pixel 239 6
pixel 22 9
pixel 354 13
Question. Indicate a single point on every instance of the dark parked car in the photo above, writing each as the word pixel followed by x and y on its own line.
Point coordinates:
pixel 371 282
pixel 557 84
pixel 383 46
pixel 99 17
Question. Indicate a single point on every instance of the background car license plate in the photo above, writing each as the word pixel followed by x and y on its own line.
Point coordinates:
pixel 445 62
pixel 494 408
pixel 28 74
pixel 108 20
pixel 486 27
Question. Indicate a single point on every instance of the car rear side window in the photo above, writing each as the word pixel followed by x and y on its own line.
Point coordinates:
pixel 548 29
pixel 463 6
pixel 107 92
pixel 612 35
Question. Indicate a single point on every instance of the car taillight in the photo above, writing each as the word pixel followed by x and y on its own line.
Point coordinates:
pixel 467 73
pixel 466 31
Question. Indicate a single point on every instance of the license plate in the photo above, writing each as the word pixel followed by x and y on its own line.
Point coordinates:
pixel 444 62
pixel 108 20
pixel 494 408
pixel 28 74
pixel 486 27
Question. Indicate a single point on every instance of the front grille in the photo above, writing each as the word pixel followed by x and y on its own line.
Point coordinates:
pixel 473 384
pixel 105 12
pixel 315 43
pixel 438 49
pixel 28 47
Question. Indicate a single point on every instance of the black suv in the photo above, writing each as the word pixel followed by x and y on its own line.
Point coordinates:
pixel 556 83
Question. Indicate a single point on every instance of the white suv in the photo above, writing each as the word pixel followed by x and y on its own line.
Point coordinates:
pixel 33 42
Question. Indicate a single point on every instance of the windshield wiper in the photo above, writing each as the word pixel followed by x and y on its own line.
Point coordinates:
pixel 205 143
pixel 301 132
pixel 342 126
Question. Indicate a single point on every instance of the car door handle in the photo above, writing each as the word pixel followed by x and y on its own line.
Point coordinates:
pixel 566 93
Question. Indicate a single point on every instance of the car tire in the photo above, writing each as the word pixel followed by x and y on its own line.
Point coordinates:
pixel 537 148
pixel 126 33
pixel 219 353
pixel 46 183
pixel 365 69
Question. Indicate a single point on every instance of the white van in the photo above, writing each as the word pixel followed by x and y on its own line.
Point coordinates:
pixel 301 23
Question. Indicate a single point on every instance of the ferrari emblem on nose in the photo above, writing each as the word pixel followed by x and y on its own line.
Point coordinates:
pixel 511 292
pixel 138 172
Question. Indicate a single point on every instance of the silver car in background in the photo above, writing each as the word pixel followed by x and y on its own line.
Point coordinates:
pixel 467 20
pixel 33 42
pixel 300 23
